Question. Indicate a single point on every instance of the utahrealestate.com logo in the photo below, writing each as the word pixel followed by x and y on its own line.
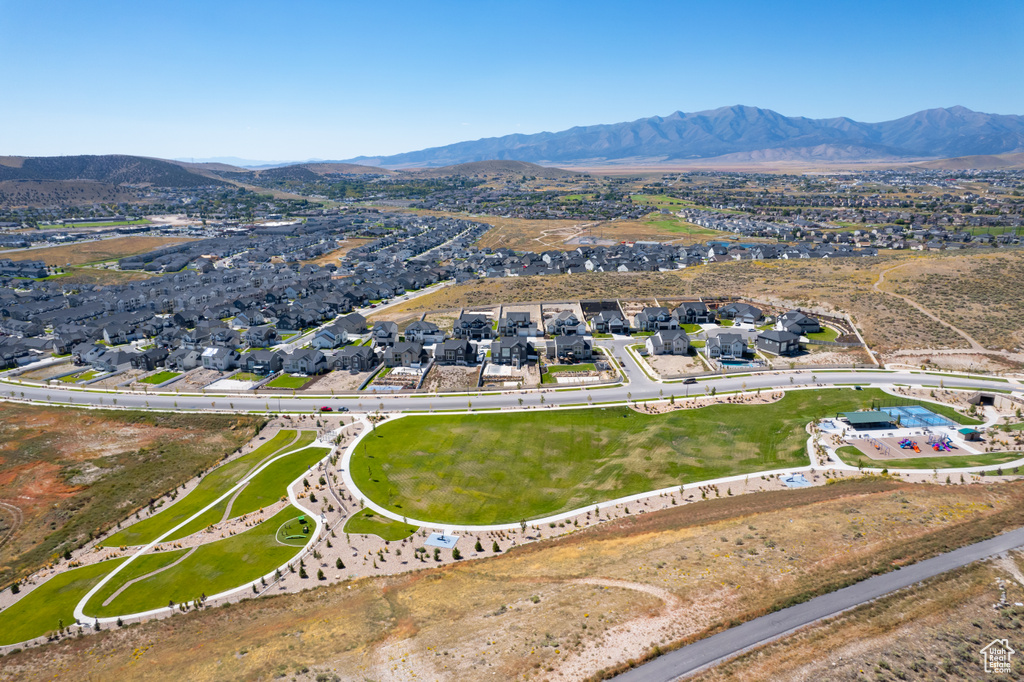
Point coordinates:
pixel 997 656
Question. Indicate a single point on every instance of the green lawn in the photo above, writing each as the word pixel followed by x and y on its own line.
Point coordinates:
pixel 288 381
pixel 42 610
pixel 247 376
pixel 210 488
pixel 826 334
pixel 855 457
pixel 212 568
pixel 725 323
pixel 82 376
pixel 295 532
pixel 549 378
pixel 160 377
pixel 144 565
pixel 367 522
pixel 501 468
pixel 691 328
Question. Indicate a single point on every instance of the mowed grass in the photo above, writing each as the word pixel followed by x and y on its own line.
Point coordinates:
pixel 826 334
pixel 855 457
pixel 41 611
pixel 209 489
pixel 288 381
pixel 501 468
pixel 160 377
pixel 144 565
pixel 213 568
pixel 368 522
pixel 270 487
pixel 294 532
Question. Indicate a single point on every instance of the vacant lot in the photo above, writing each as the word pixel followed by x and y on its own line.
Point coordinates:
pixel 500 468
pixel 74 472
pixel 333 256
pixel 103 250
pixel 570 607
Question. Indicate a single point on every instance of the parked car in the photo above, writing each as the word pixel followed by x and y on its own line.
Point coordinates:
pixel 690 380
pixel 342 409
pixel 326 408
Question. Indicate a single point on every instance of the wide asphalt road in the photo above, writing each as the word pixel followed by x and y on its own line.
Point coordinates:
pixel 718 648
pixel 638 387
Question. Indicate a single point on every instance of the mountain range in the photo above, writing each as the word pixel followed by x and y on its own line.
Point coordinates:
pixel 739 134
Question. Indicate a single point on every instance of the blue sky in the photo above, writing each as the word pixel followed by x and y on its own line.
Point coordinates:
pixel 304 79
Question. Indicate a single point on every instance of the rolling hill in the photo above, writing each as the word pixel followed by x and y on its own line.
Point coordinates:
pixel 109 169
pixel 739 133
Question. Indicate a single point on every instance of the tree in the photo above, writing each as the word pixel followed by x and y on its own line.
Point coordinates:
pixel 456 554
pixel 320 574
pixel 494 547
pixel 302 572
pixel 478 547
pixel 339 564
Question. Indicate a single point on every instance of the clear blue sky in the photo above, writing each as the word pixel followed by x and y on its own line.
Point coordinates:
pixel 334 79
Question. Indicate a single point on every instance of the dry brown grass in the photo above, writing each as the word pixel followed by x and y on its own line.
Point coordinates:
pixel 725 560
pixel 928 632
pixel 333 256
pixel 104 250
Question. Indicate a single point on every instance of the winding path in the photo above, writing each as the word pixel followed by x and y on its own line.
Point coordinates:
pixel 975 346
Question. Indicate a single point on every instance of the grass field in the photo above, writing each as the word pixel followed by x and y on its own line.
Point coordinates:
pixel 246 376
pixel 160 377
pixel 826 334
pixel 75 473
pixel 288 381
pixel 855 457
pixel 366 522
pixel 501 468
pixel 44 608
pixel 213 485
pixel 212 568
pixel 549 378
pixel 294 532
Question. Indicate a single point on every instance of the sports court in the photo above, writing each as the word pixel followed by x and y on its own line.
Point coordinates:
pixel 910 416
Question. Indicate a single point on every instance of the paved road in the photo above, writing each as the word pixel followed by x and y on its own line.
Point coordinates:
pixel 638 387
pixel 718 648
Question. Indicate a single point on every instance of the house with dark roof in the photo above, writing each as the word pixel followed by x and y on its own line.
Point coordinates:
pixel 512 351
pixel 405 354
pixel 726 346
pixel 424 332
pixel 455 352
pixel 655 318
pixel 356 358
pixel 668 342
pixel 474 326
pixel 778 342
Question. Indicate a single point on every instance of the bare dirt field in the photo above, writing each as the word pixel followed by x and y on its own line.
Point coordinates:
pixel 332 257
pixel 528 376
pixel 49 372
pixel 535 312
pixel 827 355
pixel 340 381
pixel 963 361
pixel 674 365
pixel 115 380
pixel 103 250
pixel 196 379
pixel 451 378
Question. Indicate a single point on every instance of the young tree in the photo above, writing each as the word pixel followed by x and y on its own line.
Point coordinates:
pixel 339 564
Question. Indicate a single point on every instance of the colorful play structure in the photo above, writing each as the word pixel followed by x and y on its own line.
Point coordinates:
pixel 907 443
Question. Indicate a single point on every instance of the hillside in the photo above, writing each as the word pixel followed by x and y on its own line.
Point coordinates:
pixel 754 134
pixel 495 168
pixel 1013 161
pixel 110 169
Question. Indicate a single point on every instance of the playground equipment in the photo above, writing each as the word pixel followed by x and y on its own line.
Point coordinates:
pixel 907 443
pixel 881 447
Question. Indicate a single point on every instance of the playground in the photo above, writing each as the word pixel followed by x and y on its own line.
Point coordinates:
pixel 910 444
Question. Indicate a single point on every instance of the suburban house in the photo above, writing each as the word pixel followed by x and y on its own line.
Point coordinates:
pixel 474 326
pixel 424 332
pixel 741 312
pixel 260 337
pixel 726 346
pixel 570 348
pixel 455 352
pixel 512 351
pixel 220 359
pixel 566 323
pixel 353 323
pixel 405 354
pixel 654 319
pixel 262 361
pixel 609 322
pixel 517 324
pixel 384 333
pixel 798 323
pixel 305 361
pixel 778 342
pixel 184 359
pixel 150 359
pixel 357 358
pixel 668 342
pixel 331 336
pixel 694 312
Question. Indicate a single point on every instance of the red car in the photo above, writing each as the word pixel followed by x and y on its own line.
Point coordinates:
pixel 325 408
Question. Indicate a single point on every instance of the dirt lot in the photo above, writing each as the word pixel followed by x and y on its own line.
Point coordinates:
pixel 71 472
pixel 529 376
pixel 963 361
pixel 674 365
pixel 828 355
pixel 104 250
pixel 451 378
pixel 535 312
pixel 551 310
pixel 564 608
pixel 340 381
pixel 119 378
pixel 196 379
pixel 46 373
pixel 333 256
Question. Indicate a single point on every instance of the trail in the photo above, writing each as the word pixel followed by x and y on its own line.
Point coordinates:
pixel 924 311
pixel 148 575
pixel 18 519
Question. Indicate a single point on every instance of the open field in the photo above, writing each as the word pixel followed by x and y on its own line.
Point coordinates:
pixel 888 323
pixel 213 485
pixel 648 580
pixel 212 568
pixel 331 257
pixel 853 456
pixel 288 381
pixel 367 522
pixel 73 473
pixel 99 251
pixel 930 631
pixel 500 468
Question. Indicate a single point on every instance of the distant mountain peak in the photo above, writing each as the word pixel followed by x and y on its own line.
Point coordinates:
pixel 739 131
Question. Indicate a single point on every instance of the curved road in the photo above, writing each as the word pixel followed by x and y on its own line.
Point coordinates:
pixel 754 633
